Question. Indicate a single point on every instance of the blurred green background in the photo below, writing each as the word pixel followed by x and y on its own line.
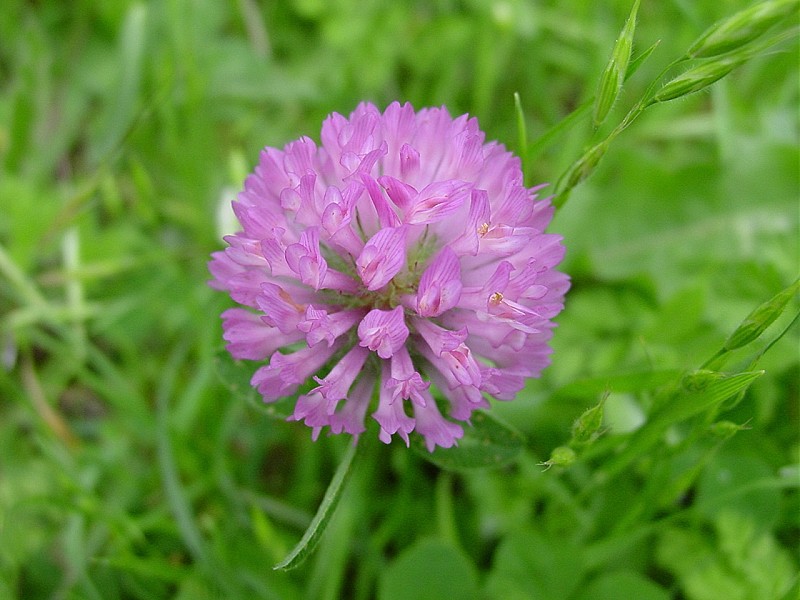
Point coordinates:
pixel 128 470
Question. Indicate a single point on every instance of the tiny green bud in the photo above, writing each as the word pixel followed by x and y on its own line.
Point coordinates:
pixel 726 429
pixel 761 318
pixel 586 428
pixel 741 28
pixel 562 456
pixel 695 79
pixel 614 74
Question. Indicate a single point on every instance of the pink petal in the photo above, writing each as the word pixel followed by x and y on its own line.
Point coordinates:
pixel 285 372
pixel 390 415
pixel 439 340
pixel 320 325
pixel 305 259
pixel 400 193
pixel 351 417
pixel 436 201
pixel 383 331
pixel 249 337
pixel 440 285
pixel 436 430
pixel 337 383
pixel 382 257
pixel 405 383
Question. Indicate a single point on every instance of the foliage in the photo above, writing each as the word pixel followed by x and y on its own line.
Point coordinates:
pixel 657 457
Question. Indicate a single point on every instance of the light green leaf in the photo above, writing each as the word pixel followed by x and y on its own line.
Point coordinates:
pixel 133 45
pixel 742 563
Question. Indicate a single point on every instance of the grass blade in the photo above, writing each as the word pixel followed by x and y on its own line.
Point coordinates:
pixel 522 134
pixel 173 488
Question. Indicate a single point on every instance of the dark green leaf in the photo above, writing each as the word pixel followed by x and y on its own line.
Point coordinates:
pixel 623 584
pixel 529 566
pixel 430 570
pixel 488 443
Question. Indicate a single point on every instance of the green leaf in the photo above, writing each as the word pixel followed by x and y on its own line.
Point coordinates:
pixel 623 584
pixel 174 490
pixel 529 566
pixel 637 62
pixel 325 512
pixel 705 390
pixel 743 562
pixel 742 481
pixel 133 45
pixel 430 570
pixel 488 443
pixel 151 568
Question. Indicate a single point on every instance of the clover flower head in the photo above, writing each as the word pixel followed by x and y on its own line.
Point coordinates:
pixel 400 260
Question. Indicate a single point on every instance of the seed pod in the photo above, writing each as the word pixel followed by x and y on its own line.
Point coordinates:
pixel 741 28
pixel 614 74
pixel 695 79
pixel 761 318
pixel 726 429
pixel 583 167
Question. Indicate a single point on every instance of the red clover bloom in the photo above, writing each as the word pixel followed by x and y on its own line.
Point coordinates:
pixel 406 253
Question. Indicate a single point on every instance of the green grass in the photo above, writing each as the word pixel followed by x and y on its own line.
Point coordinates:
pixel 129 470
